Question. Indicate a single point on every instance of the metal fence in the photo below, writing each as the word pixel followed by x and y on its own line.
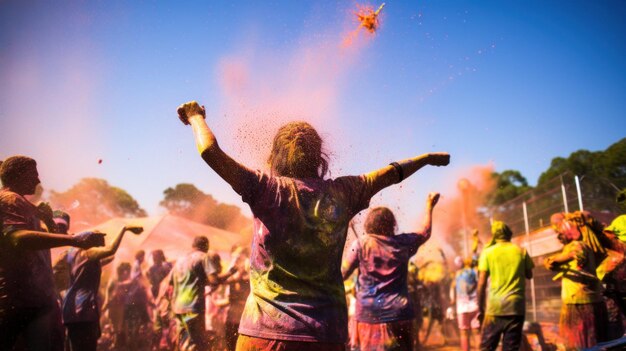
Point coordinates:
pixel 528 216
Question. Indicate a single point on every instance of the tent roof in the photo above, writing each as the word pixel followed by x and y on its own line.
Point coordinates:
pixel 172 234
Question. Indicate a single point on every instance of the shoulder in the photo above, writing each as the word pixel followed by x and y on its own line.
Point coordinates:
pixel 9 198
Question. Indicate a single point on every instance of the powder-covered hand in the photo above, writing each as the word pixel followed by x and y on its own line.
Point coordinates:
pixel 189 109
pixel 438 158
pixel 86 240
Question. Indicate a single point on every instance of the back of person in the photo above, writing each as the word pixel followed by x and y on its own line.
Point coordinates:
pixel 189 279
pixel 382 294
pixel 466 291
pixel 299 234
pixel 81 301
pixel 506 264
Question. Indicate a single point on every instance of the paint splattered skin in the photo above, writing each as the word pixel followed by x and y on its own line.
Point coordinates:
pixel 300 229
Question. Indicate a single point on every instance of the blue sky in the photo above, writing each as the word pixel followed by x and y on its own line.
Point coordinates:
pixel 507 83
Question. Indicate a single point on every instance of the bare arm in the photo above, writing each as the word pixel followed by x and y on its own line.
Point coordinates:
pixel 35 240
pixel 110 250
pixel 390 175
pixel 431 202
pixel 217 279
pixel 482 288
pixel 206 143
pixel 553 262
pixel 453 292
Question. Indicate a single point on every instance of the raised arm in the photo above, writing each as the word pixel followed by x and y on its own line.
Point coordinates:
pixel 100 253
pixel 431 202
pixel 36 240
pixel 398 171
pixel 351 262
pixel 206 143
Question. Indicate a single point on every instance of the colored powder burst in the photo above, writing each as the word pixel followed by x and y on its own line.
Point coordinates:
pixel 369 18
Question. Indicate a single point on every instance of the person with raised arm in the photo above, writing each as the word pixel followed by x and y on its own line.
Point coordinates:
pixel 81 308
pixel 28 300
pixel 297 299
pixel 384 312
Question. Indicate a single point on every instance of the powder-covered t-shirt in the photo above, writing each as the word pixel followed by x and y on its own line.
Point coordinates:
pixel 300 228
pixel 25 275
pixel 81 303
pixel 382 290
pixel 507 265
pixel 465 285
pixel 189 277
pixel 580 286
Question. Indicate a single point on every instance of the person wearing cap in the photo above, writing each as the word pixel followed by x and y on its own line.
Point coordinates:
pixel 28 300
pixel 502 311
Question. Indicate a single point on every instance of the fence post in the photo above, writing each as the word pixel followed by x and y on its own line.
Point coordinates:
pixel 529 250
pixel 564 195
pixel 580 196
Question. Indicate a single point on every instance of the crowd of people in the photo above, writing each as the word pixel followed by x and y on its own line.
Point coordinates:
pixel 287 292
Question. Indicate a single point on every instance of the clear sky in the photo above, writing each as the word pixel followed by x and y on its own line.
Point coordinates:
pixel 505 83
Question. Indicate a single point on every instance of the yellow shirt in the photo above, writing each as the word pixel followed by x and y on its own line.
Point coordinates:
pixel 507 265
pixel 576 288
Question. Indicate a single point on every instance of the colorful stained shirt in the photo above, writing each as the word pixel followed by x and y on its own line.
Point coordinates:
pixel 507 265
pixel 465 285
pixel 26 278
pixel 383 262
pixel 81 303
pixel 189 277
pixel 575 288
pixel 300 228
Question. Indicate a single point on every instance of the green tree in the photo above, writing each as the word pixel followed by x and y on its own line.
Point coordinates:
pixel 92 201
pixel 602 175
pixel 187 201
pixel 509 185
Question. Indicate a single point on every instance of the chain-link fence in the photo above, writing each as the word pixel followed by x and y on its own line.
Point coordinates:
pixel 559 194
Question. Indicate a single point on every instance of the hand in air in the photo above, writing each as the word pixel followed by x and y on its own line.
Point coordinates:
pixel 135 229
pixel 189 109
pixel 432 200
pixel 86 240
pixel 438 158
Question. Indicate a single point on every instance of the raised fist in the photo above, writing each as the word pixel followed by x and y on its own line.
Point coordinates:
pixel 438 158
pixel 86 240
pixel 189 109
pixel 432 200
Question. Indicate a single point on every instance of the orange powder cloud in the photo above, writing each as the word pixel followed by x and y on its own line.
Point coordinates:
pixel 455 203
pixel 263 90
